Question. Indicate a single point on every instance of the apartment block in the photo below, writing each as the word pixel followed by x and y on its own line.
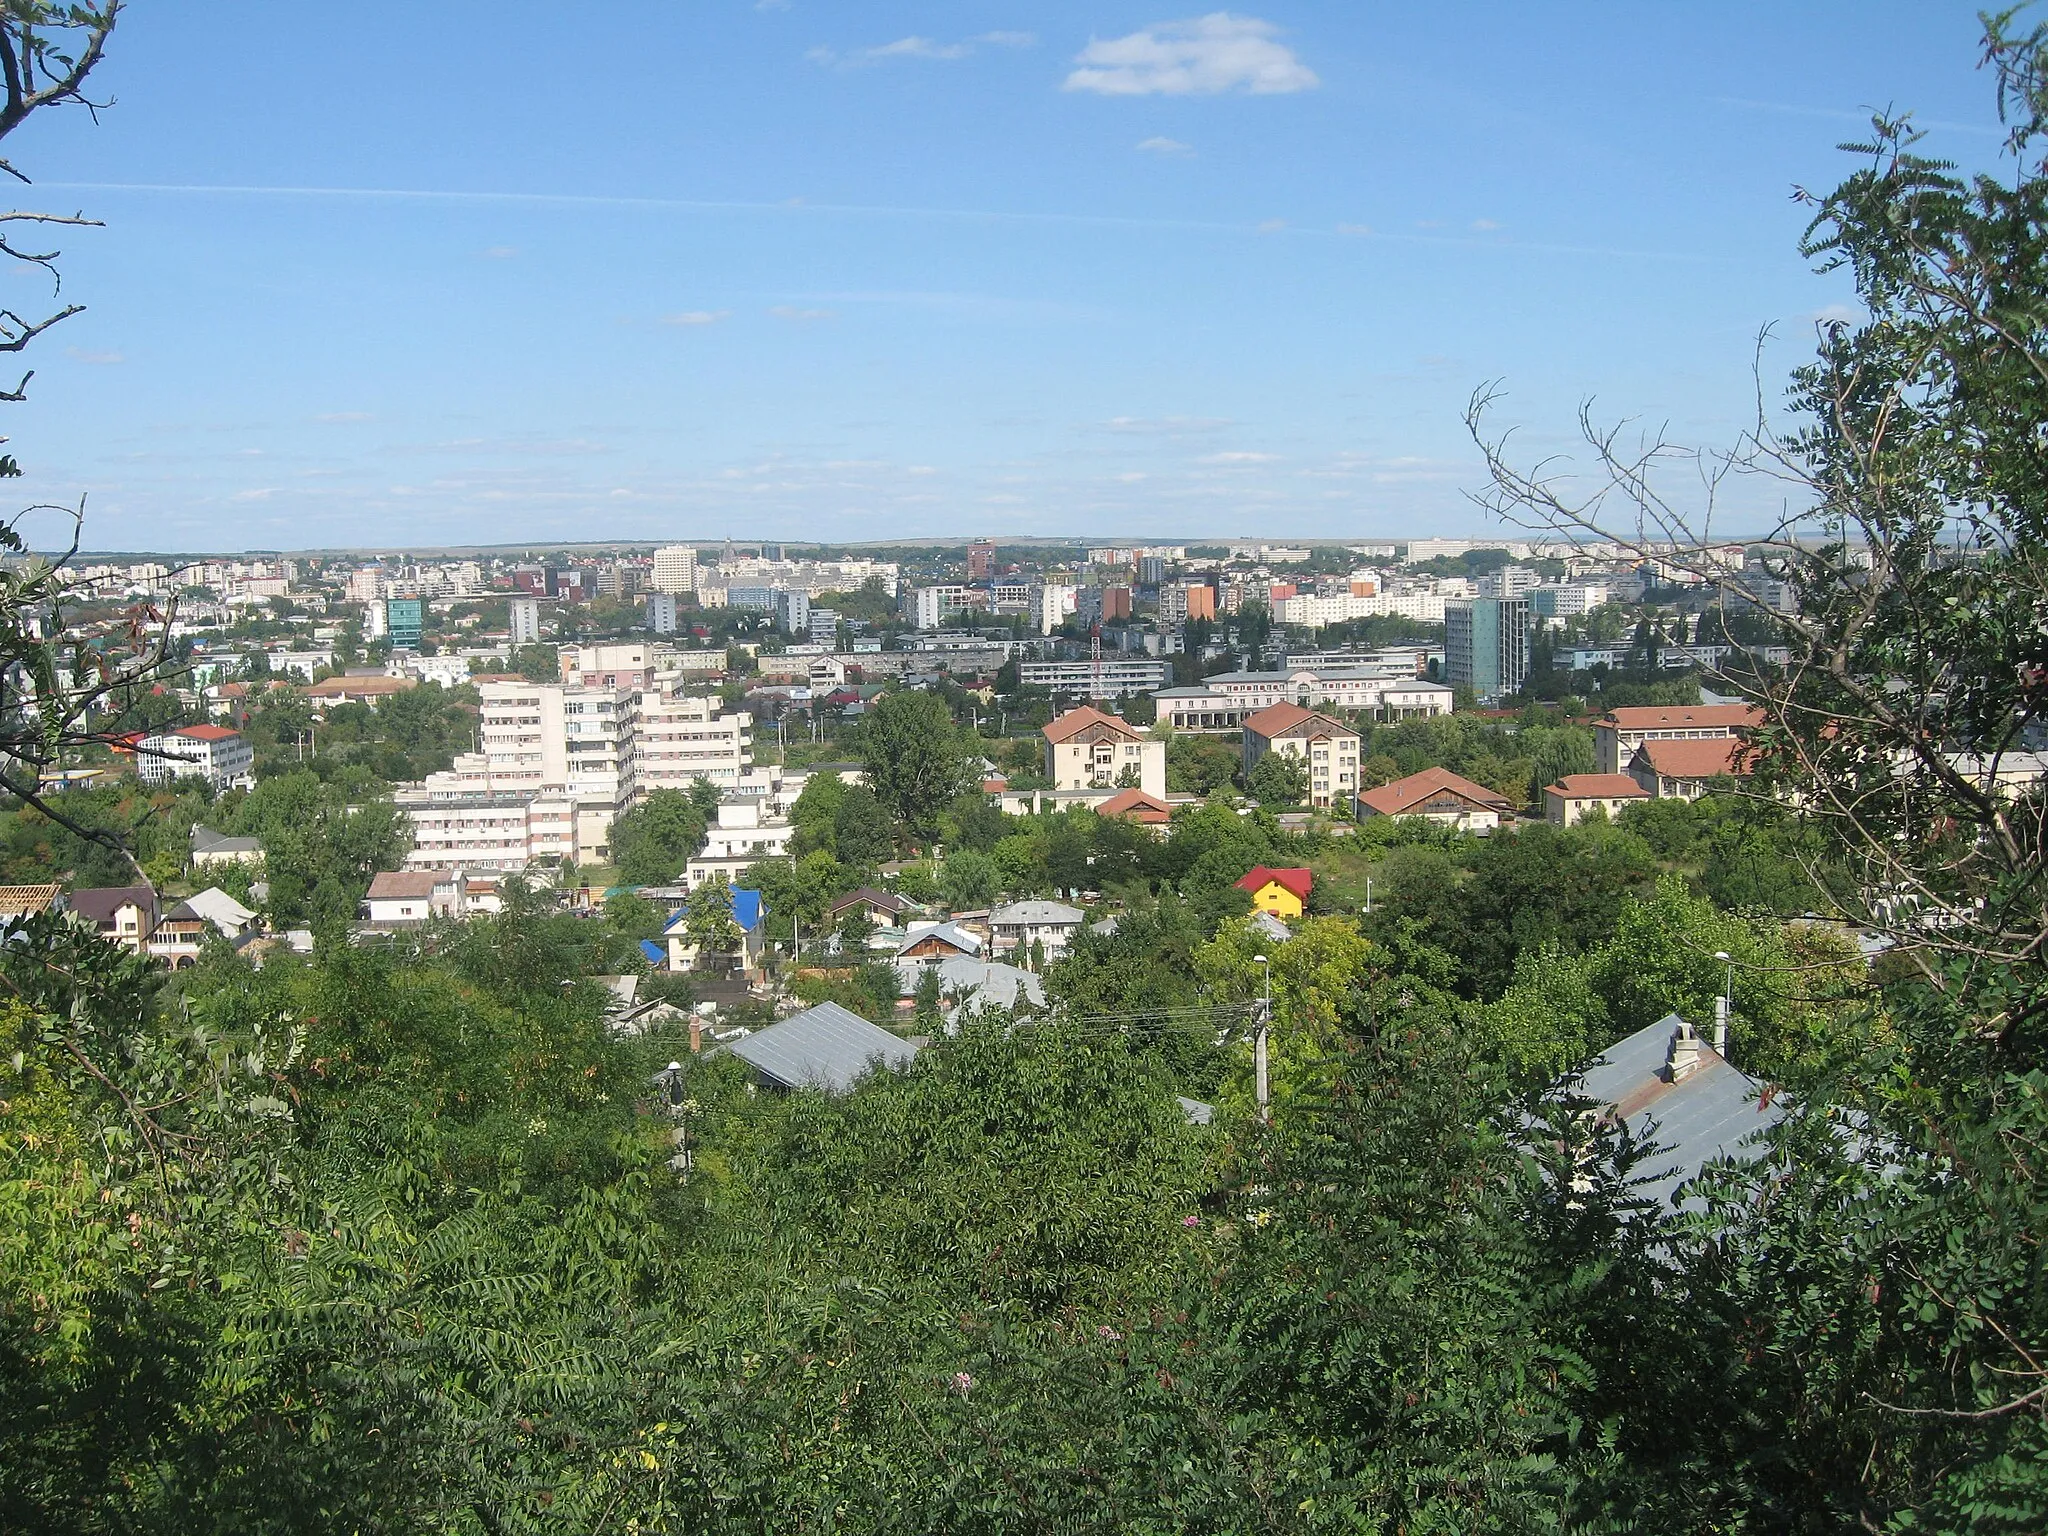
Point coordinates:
pixel 677 740
pixel 675 569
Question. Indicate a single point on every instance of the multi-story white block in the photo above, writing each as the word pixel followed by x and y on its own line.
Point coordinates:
pixel 1086 749
pixel 526 621
pixel 675 569
pixel 678 740
pixel 210 752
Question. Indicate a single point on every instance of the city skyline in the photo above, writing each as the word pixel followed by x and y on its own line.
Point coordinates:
pixel 885 277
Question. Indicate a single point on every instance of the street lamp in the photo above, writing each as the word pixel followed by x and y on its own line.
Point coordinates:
pixel 1724 1004
pixel 1262 1090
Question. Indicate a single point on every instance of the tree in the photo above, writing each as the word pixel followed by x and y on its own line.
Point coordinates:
pixel 652 842
pixel 913 756
pixel 1278 778
pixel 708 924
pixel 860 828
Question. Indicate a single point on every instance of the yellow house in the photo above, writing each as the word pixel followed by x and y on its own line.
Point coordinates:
pixel 1282 892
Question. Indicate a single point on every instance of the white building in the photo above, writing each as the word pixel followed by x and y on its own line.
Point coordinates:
pixel 1048 924
pixel 1052 604
pixel 661 612
pixel 932 606
pixel 1086 749
pixel 675 569
pixel 678 740
pixel 744 834
pixel 526 621
pixel 210 752
pixel 1112 677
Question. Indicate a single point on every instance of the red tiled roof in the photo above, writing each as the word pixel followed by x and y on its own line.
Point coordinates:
pixel 1075 721
pixel 1137 805
pixel 1403 795
pixel 1298 881
pixel 344 687
pixel 1657 717
pixel 1278 718
pixel 1599 786
pixel 206 732
pixel 1695 759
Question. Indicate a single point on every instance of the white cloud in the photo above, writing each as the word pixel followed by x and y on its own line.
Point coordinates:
pixel 1483 225
pixel 499 252
pixel 1837 314
pixel 771 5
pixel 1205 56
pixel 264 494
pixel 791 312
pixel 1159 144
pixel 1271 226
pixel 334 418
pixel 916 47
pixel 696 317
pixel 1240 457
pixel 1166 426
pixel 1354 229
pixel 103 359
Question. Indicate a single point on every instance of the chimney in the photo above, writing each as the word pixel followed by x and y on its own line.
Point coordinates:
pixel 1721 1027
pixel 1684 1057
pixel 696 1037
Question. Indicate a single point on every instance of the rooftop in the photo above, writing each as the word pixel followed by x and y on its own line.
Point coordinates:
pixel 827 1048
pixel 1403 795
pixel 1598 786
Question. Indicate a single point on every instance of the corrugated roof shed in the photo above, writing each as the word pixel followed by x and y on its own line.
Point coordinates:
pixel 827 1048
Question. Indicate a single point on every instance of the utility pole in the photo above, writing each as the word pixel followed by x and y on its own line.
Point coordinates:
pixel 1368 895
pixel 1262 1088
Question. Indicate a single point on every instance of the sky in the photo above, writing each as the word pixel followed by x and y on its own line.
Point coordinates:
pixel 495 272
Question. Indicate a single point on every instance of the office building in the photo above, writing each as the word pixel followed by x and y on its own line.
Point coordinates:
pixel 675 569
pixel 210 752
pixel 1486 645
pixel 1112 677
pixel 404 618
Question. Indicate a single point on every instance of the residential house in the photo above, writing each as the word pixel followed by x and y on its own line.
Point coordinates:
pixel 2007 775
pixel 226 914
pixel 827 1048
pixel 885 909
pixel 1620 732
pixel 407 897
pixel 969 983
pixel 1022 924
pixel 1086 749
pixel 1577 795
pixel 1135 805
pixel 939 941
pixel 748 914
pixel 125 914
pixel 1326 749
pixel 211 752
pixel 1441 796
pixel 1673 1088
pixel 1685 769
pixel 179 936
pixel 210 847
pixel 370 690
pixel 1282 892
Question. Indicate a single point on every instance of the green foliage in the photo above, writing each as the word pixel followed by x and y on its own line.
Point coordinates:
pixel 914 757
pixel 652 842
pixel 1279 779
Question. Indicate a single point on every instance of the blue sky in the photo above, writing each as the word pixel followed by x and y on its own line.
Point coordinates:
pixel 513 272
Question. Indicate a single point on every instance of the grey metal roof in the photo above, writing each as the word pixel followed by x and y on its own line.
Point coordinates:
pixel 987 982
pixel 827 1047
pixel 1040 912
pixel 1716 1111
pixel 1197 1112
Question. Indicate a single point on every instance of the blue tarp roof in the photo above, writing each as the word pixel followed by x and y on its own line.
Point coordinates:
pixel 747 911
pixel 653 951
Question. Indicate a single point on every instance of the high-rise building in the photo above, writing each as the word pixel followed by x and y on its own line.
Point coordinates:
pixel 1151 570
pixel 981 560
pixel 661 612
pixel 1486 645
pixel 824 627
pixel 526 621
pixel 793 611
pixel 675 569
pixel 404 618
